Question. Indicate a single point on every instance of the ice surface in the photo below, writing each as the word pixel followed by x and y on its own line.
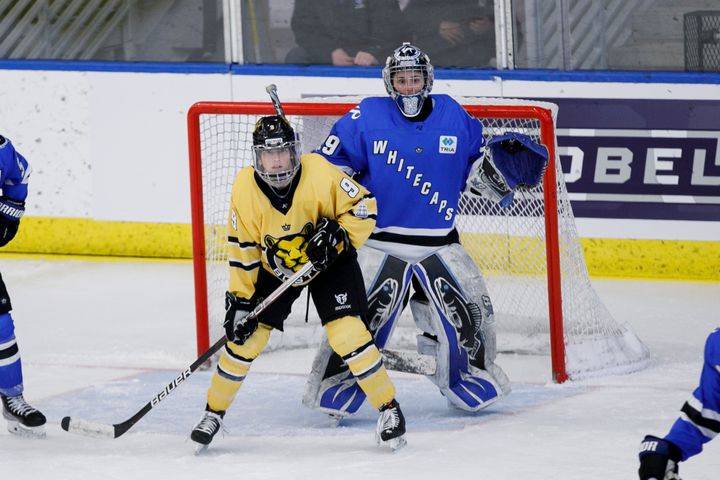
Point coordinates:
pixel 99 339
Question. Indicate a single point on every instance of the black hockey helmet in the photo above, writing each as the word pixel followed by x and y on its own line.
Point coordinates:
pixel 408 57
pixel 274 134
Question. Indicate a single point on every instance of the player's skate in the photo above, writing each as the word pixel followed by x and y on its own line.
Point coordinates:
pixel 391 426
pixel 23 420
pixel 205 430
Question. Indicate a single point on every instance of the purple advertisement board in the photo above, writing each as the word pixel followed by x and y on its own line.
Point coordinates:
pixel 647 159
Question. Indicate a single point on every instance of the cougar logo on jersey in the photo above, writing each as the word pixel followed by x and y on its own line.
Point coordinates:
pixel 448 144
pixel 286 255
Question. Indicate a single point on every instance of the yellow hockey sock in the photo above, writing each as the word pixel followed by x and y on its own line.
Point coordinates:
pixel 232 368
pixel 350 339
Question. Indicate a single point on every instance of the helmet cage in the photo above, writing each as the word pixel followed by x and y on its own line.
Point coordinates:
pixel 408 58
pixel 282 178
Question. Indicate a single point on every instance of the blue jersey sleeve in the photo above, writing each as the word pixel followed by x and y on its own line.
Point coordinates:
pixel 14 171
pixel 700 419
pixel 344 146
pixel 475 130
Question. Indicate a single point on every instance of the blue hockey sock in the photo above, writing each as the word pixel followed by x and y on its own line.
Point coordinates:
pixel 11 381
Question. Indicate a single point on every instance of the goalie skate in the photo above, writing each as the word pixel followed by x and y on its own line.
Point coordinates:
pixel 391 427
pixel 23 420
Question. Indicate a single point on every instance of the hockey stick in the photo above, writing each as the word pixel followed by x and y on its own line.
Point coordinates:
pixel 93 429
pixel 409 362
pixel 272 91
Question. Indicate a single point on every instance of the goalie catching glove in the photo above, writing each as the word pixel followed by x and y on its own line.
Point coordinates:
pixel 514 161
pixel 238 326
pixel 322 247
pixel 520 160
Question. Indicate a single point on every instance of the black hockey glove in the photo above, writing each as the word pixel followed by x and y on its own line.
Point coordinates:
pixel 11 211
pixel 321 249
pixel 238 326
pixel 658 459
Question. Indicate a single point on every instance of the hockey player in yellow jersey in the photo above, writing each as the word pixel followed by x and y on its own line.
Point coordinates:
pixel 285 211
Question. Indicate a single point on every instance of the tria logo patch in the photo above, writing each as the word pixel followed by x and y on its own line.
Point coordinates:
pixel 448 144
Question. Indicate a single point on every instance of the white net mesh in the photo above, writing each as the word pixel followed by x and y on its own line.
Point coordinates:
pixel 509 245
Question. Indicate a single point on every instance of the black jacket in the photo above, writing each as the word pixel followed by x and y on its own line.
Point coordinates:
pixel 373 26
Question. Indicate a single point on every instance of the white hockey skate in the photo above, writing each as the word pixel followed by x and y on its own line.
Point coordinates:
pixel 391 426
pixel 23 420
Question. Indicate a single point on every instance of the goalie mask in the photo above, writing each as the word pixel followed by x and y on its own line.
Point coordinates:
pixel 408 77
pixel 275 151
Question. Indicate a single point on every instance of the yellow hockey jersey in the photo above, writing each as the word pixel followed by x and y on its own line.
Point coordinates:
pixel 269 230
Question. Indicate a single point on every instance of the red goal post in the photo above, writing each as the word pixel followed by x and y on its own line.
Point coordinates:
pixel 219 139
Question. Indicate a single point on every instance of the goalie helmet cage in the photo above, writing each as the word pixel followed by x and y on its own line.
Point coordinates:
pixel 529 253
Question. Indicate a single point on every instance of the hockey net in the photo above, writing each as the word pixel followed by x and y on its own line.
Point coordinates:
pixel 529 253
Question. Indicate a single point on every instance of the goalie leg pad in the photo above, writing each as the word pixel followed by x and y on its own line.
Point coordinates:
pixel 331 387
pixel 232 368
pixel 11 379
pixel 460 327
pixel 386 292
pixel 350 339
pixel 470 280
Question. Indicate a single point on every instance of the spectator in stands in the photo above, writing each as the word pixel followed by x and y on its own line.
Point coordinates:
pixel 461 36
pixel 345 32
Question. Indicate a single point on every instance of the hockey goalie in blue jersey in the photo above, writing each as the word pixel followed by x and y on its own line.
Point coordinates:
pixel 22 419
pixel 699 423
pixel 417 153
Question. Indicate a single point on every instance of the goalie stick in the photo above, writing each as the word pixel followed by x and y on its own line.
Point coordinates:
pixel 409 362
pixel 94 429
